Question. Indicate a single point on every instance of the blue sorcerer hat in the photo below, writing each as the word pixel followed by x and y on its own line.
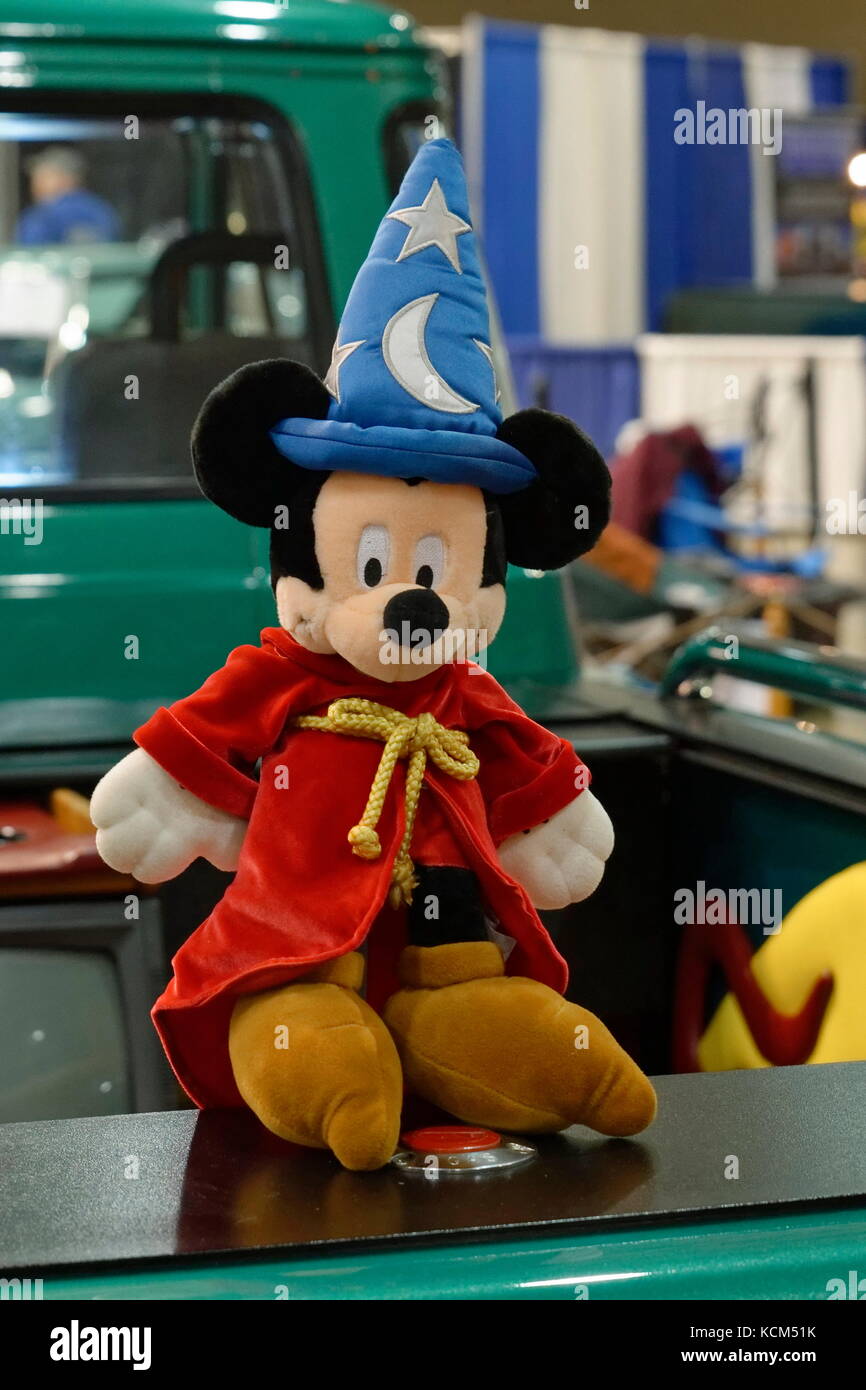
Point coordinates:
pixel 411 376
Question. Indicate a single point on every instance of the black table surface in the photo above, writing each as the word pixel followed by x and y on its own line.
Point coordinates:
pixel 110 1191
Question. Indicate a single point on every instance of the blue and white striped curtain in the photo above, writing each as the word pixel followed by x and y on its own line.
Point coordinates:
pixel 569 141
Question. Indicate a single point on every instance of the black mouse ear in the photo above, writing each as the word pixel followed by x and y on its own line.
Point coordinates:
pixel 564 510
pixel 235 461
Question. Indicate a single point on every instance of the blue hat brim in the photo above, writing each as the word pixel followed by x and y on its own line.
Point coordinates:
pixel 442 456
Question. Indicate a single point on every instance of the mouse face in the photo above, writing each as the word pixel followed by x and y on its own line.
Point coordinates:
pixel 403 586
pixel 396 575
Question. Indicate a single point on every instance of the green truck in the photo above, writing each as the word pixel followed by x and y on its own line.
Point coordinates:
pixel 246 152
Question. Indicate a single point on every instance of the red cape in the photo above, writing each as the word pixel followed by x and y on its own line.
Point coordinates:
pixel 300 896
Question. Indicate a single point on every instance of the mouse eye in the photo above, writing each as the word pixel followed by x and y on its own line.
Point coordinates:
pixel 374 552
pixel 429 561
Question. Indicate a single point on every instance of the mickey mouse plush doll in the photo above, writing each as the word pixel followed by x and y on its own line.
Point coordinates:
pixel 394 769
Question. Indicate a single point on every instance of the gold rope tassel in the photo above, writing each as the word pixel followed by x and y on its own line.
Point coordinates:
pixel 403 737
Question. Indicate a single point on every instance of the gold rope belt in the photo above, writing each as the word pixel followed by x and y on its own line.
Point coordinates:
pixel 415 739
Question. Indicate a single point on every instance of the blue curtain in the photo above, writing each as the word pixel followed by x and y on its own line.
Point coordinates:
pixel 510 156
pixel 597 387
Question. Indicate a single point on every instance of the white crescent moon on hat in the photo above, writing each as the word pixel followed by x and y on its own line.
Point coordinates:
pixel 405 352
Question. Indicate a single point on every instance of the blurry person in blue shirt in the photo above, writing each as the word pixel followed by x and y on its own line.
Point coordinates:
pixel 63 210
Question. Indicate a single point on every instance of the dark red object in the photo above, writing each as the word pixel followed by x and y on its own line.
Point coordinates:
pixel 300 896
pixel 35 850
pixel 450 1139
pixel 645 479
pixel 783 1039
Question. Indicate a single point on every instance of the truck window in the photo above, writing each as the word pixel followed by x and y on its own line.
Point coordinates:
pixel 142 258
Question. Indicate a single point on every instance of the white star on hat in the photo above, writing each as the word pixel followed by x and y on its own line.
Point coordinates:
pixel 338 357
pixel 488 353
pixel 432 224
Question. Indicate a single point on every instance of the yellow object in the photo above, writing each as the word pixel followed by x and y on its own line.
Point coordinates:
pixel 403 737
pixel 777 619
pixel 71 811
pixel 508 1052
pixel 824 932
pixel 318 1066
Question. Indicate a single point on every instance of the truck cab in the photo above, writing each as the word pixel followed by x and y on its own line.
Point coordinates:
pixel 236 186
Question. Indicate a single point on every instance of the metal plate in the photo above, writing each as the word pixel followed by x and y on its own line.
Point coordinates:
pixel 120 1189
pixel 510 1153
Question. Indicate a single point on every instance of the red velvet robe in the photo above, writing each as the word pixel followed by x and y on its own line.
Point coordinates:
pixel 300 896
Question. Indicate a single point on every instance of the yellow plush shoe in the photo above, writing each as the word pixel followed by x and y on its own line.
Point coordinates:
pixel 318 1066
pixel 509 1052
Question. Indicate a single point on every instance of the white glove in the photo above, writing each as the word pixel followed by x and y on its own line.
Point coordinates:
pixel 561 861
pixel 150 827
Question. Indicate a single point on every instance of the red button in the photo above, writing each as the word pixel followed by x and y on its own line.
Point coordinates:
pixel 450 1139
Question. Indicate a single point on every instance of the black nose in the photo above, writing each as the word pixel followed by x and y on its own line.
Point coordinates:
pixel 418 617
